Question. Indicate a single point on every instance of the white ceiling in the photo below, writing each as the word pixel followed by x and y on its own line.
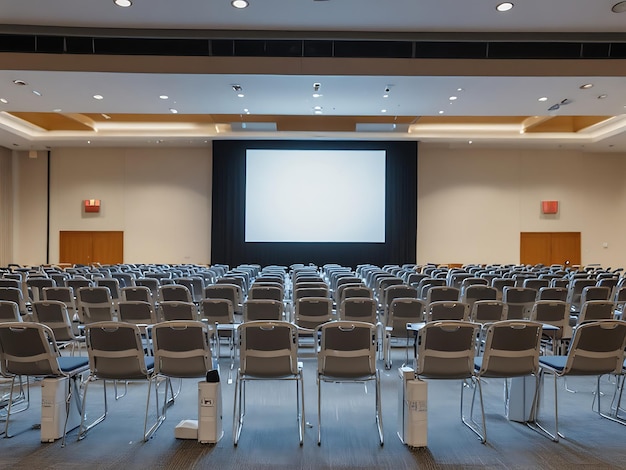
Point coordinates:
pixel 342 95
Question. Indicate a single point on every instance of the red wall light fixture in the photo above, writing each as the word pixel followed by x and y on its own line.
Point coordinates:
pixel 549 207
pixel 92 205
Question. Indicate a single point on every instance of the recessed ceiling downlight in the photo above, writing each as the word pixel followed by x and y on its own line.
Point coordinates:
pixel 505 6
pixel 20 82
pixel 98 97
pixel 619 7
pixel 586 86
pixel 123 3
pixel 239 3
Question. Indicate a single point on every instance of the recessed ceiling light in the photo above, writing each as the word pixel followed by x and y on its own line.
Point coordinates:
pixel 602 96
pixel 123 3
pixel 98 97
pixel 57 110
pixel 504 6
pixel 459 89
pixel 4 100
pixel 35 92
pixel 586 86
pixel 89 141
pixel 245 110
pixel 385 95
pixel 452 98
pixel 236 87
pixel 543 98
pixel 470 142
pixel 317 108
pixel 163 97
pixel 239 3
pixel 240 95
pixel 441 112
pixel 173 111
pixel 316 95
pixel 383 110
pixel 20 82
pixel 619 7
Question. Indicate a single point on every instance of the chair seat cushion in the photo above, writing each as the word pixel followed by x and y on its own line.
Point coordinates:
pixel 73 364
pixel 554 362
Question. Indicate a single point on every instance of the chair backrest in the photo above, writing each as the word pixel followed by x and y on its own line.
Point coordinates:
pixel 266 292
pixel 36 285
pixel 446 350
pixel 150 283
pixel 116 351
pixel 303 292
pixel 555 313
pixel 358 309
pixel 9 311
pixel 28 348
pixel 474 292
pixel 488 311
pixel 445 310
pixel 54 314
pixel 597 348
pixel 137 311
pixel 174 292
pixel 181 349
pixel 262 309
pixel 426 284
pixel 500 283
pixel 576 289
pixel 175 310
pixel 596 310
pixel 535 283
pixel 96 304
pixel 397 291
pixel 10 283
pixel 231 292
pixel 403 311
pixel 443 293
pixel 348 291
pixel 313 311
pixel 137 293
pixel 13 294
pixel 346 349
pixel 595 293
pixel 520 301
pixel 552 293
pixel 112 284
pixel 511 349
pixel 195 285
pixel 473 281
pixel 268 349
pixel 217 311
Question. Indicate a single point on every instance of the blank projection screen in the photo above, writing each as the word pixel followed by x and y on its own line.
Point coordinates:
pixel 315 196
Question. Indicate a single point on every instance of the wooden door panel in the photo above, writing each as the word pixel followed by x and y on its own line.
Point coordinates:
pixel 535 248
pixel 565 247
pixel 108 247
pixel 75 247
pixel 550 248
pixel 86 247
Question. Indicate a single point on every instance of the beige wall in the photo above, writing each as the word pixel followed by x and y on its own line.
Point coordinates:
pixel 160 198
pixel 473 203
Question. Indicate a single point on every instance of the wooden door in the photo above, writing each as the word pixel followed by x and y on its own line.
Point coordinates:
pixel 86 247
pixel 550 248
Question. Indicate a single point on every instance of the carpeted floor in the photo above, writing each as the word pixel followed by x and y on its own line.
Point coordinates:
pixel 269 439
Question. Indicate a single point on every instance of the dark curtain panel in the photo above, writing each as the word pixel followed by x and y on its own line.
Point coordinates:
pixel 229 174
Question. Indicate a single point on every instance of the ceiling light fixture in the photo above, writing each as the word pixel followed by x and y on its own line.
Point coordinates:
pixel 4 100
pixel 163 97
pixel 316 87
pixel 452 98
pixel 441 112
pixel 586 86
pixel 619 7
pixel 505 6
pixel 98 97
pixel 236 87
pixel 35 92
pixel 317 95
pixel 239 3
pixel 543 98
pixel 20 82
pixel 56 110
pixel 385 95
pixel 240 95
pixel 123 3
pixel 602 96
pixel 383 110
pixel 173 111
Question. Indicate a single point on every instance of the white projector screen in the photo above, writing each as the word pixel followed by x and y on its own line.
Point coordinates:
pixel 315 196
